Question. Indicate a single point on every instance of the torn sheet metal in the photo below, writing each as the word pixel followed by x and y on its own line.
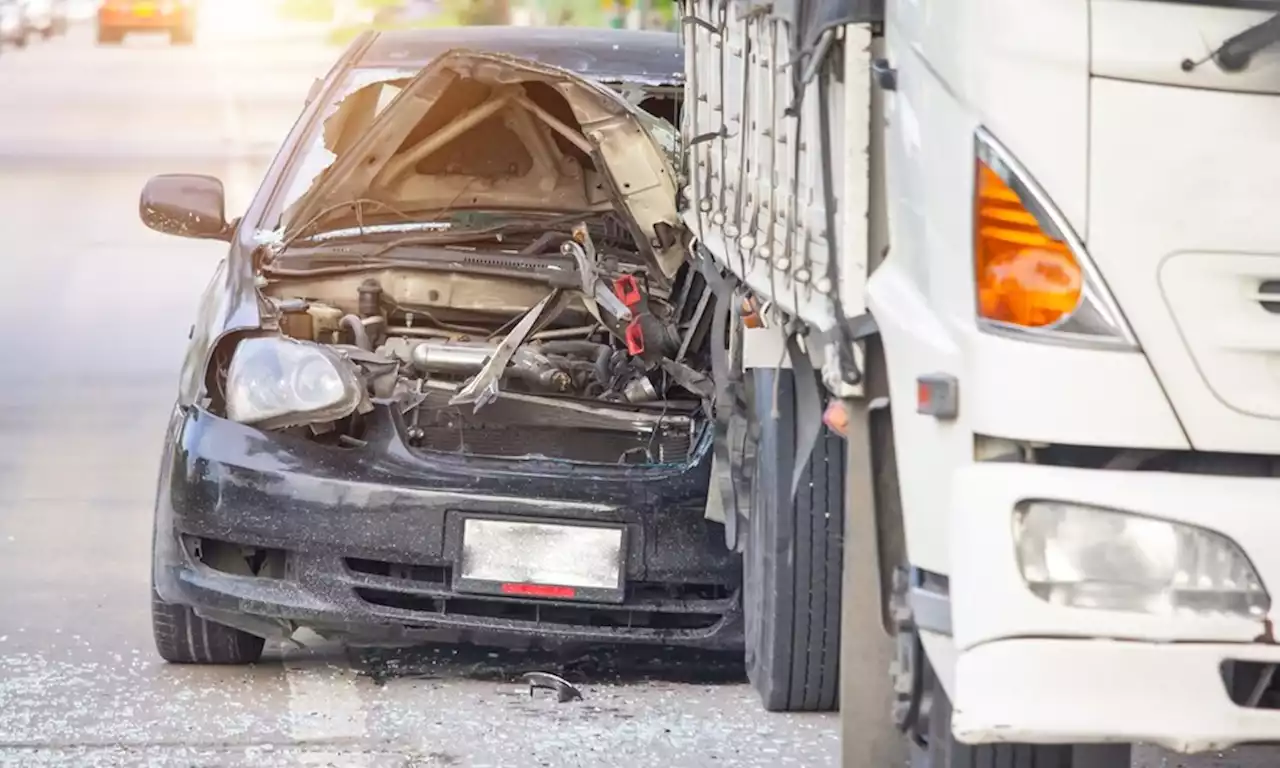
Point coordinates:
pixel 630 149
pixel 483 389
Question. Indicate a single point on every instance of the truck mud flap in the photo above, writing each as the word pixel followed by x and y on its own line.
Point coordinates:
pixel 808 409
pixel 728 404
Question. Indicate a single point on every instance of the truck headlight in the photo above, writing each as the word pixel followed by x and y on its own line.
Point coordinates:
pixel 1034 279
pixel 1090 557
pixel 275 382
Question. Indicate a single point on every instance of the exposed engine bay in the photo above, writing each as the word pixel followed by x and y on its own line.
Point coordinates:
pixel 505 272
pixel 499 354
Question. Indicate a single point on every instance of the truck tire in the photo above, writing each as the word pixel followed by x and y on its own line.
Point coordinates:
pixel 792 561
pixel 943 751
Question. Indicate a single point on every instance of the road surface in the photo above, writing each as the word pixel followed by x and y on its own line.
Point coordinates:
pixel 95 310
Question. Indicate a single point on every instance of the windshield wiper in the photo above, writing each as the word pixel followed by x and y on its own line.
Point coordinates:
pixel 459 227
pixel 1237 51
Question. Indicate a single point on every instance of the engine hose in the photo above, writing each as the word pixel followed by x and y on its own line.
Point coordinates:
pixel 603 354
pixel 358 331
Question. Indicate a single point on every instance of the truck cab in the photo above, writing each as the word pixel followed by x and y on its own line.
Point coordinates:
pixel 1022 254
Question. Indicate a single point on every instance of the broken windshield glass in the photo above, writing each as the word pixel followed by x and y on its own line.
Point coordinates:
pixel 385 83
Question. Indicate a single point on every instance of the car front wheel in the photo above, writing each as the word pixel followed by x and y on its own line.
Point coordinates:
pixel 182 637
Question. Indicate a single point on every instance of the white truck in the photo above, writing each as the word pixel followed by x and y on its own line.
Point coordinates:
pixel 1024 255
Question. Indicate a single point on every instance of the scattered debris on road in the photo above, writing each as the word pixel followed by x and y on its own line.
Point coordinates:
pixel 563 688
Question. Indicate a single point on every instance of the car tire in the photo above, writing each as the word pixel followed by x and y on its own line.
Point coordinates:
pixel 48 32
pixel 942 750
pixel 21 40
pixel 793 558
pixel 182 637
pixel 181 36
pixel 109 36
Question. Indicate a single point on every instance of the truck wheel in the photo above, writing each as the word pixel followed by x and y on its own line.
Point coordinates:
pixel 792 562
pixel 941 750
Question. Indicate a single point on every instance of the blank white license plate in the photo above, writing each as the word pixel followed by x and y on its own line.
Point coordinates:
pixel 546 560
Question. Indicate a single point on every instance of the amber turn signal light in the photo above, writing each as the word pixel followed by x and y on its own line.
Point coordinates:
pixel 1025 276
pixel 750 312
pixel 836 417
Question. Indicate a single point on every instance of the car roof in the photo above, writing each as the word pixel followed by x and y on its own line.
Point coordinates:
pixel 596 52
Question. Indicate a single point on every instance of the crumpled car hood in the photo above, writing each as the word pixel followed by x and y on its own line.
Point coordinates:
pixel 413 158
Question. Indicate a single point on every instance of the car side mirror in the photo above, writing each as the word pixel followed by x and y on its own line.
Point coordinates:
pixel 186 205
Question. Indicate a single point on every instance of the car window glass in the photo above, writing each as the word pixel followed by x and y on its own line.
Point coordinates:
pixel 317 157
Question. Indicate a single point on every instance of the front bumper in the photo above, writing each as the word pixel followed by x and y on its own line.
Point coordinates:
pixel 370 537
pixel 1031 671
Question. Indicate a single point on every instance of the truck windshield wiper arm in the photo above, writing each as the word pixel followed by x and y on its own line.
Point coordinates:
pixel 1236 52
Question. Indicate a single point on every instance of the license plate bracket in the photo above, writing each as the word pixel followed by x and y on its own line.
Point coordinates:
pixel 541 559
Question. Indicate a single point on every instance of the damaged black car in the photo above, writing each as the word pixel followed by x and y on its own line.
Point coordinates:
pixel 452 375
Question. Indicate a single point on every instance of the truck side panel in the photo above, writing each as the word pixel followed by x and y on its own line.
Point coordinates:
pixel 756 197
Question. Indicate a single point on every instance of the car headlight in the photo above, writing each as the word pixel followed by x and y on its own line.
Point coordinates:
pixel 275 382
pixel 1090 557
pixel 1034 279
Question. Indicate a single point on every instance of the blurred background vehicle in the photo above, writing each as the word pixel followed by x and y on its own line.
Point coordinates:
pixel 81 10
pixel 60 16
pixel 117 18
pixel 38 18
pixel 13 27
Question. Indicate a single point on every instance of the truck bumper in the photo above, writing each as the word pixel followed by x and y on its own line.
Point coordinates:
pixel 1031 671
pixel 1086 691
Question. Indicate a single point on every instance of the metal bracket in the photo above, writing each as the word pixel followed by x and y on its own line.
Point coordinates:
pixel 885 76
pixel 703 138
pixel 698 22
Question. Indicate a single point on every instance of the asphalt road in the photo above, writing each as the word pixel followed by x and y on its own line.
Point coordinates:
pixel 95 310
